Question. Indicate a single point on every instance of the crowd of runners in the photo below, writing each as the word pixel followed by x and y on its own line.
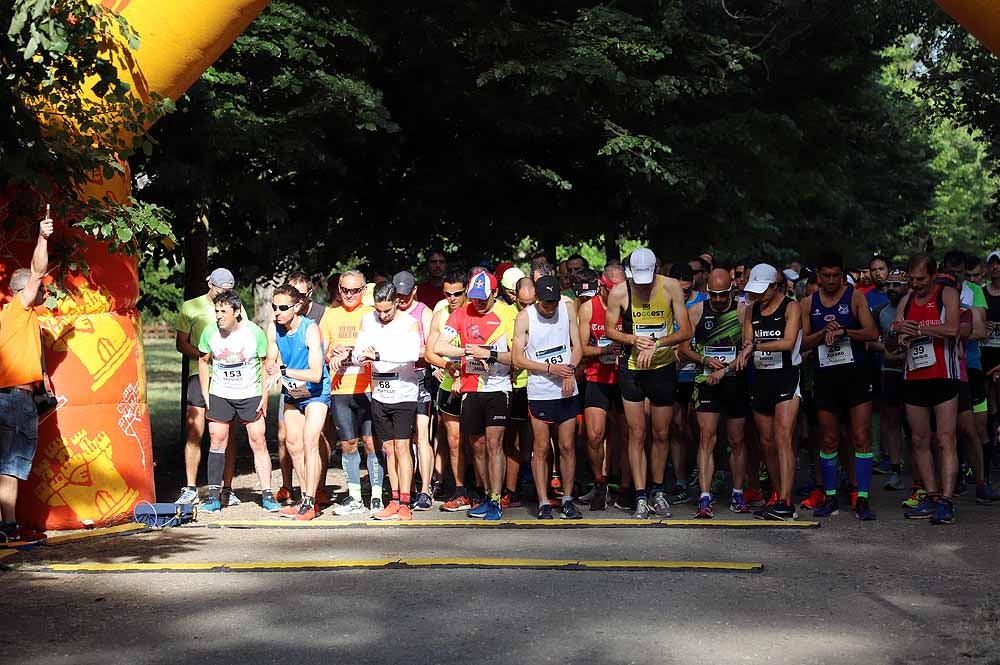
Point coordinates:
pixel 643 387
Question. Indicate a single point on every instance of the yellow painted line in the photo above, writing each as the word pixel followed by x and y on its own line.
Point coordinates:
pixel 7 553
pixel 96 533
pixel 529 523
pixel 347 564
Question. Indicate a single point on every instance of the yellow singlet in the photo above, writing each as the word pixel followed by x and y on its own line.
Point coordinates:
pixel 652 318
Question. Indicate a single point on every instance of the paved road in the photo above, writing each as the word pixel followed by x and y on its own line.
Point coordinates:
pixel 889 592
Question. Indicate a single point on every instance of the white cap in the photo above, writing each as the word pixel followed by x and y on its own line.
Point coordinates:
pixel 850 280
pixel 643 265
pixel 995 254
pixel 790 274
pixel 761 277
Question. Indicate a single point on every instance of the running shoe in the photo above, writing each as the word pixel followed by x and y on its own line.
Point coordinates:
pixel 423 502
pixel 509 500
pixel 323 497
pixel 456 504
pixel 705 508
pixel 17 535
pixel 762 511
pixel 283 495
pixel 863 510
pixel 781 511
pixel 389 513
pixel 754 498
pixel 894 483
pixel 642 510
pixel 944 513
pixel 588 496
pixel 570 511
pixel 493 511
pixel 210 506
pixel 625 499
pixel 925 509
pixel 738 503
pixel 544 512
pixel 829 508
pixel 917 494
pixel 189 496
pixel 376 504
pixel 404 514
pixel 479 512
pixel 814 500
pixel 268 503
pixel 307 513
pixel 660 505
pixel 229 498
pixel 438 490
pixel 600 499
pixel 884 467
pixel 679 494
pixel 350 506
pixel 985 494
pixel 290 511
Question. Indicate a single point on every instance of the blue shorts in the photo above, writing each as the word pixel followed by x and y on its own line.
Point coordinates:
pixel 301 404
pixel 352 415
pixel 554 411
pixel 18 434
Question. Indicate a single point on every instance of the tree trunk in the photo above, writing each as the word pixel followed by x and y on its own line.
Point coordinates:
pixel 195 273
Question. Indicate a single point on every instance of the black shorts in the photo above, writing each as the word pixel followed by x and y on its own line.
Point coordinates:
pixel 394 422
pixel 656 385
pixel 770 387
pixel 990 357
pixel 482 410
pixel 929 393
pixel 519 404
pixel 892 388
pixel 964 397
pixel 730 397
pixel 604 396
pixel 224 410
pixel 683 392
pixel 193 394
pixel 839 389
pixel 449 403
pixel 977 384
pixel 554 411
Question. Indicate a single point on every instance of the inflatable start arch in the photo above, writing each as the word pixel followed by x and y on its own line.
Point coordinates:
pixel 94 460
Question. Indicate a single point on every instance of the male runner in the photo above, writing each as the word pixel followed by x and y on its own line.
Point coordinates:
pixel 429 292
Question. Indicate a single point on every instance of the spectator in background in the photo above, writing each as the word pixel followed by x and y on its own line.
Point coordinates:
pixel 699 270
pixel 431 291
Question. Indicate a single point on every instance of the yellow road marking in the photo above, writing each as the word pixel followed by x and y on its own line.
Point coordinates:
pixel 6 553
pixel 95 533
pixel 533 524
pixel 447 562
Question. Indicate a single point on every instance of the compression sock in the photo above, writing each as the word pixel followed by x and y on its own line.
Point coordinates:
pixel 403 498
pixel 640 495
pixel 375 474
pixel 216 467
pixel 395 495
pixel 658 487
pixel 863 471
pixel 566 499
pixel 352 467
pixel 828 466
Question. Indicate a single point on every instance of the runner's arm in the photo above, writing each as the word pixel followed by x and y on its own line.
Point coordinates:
pixel 585 315
pixel 868 332
pixel 204 372
pixel 39 262
pixel 948 329
pixel 793 324
pixel 613 316
pixel 685 350
pixel 432 337
pixel 978 324
pixel 518 350
pixel 810 339
pixel 574 336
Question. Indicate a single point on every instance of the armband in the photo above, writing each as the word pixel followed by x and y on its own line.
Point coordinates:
pixel 494 356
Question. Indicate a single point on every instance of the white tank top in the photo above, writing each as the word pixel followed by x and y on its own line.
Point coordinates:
pixel 548 342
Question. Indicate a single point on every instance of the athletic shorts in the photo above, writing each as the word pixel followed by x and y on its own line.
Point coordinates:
pixel 554 411
pixel 519 404
pixel 225 410
pixel 18 433
pixel 301 404
pixel 964 397
pixel 352 415
pixel 730 397
pixel 771 387
pixel 683 392
pixel 423 395
pixel 928 393
pixel 892 388
pixel 193 393
pixel 604 396
pixel 977 384
pixel 839 389
pixel 449 403
pixel 394 422
pixel 482 410
pixel 656 385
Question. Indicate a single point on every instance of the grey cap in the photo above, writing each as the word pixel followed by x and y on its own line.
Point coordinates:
pixel 403 281
pixel 221 278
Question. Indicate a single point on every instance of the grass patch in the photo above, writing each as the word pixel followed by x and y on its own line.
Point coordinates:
pixel 163 391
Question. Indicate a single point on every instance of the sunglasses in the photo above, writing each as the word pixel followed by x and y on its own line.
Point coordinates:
pixel 899 284
pixel 719 294
pixel 281 308
pixel 454 294
pixel 352 292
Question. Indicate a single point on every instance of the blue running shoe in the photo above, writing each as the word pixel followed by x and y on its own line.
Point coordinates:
pixel 705 511
pixel 268 503
pixel 924 509
pixel 423 502
pixel 544 512
pixel 944 513
pixel 738 504
pixel 212 506
pixel 829 508
pixel 493 512
pixel 884 467
pixel 479 511
pixel 570 512
pixel 863 510
pixel 985 494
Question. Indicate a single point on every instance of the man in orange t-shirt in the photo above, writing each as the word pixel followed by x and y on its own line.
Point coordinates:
pixel 20 375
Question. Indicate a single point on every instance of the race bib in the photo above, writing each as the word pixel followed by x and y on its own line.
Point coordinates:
pixel 234 376
pixel 610 351
pixel 992 337
pixel 838 353
pixel 296 389
pixel 687 367
pixel 724 354
pixel 385 383
pixel 475 366
pixel 921 354
pixel 768 359
pixel 654 330
pixel 557 355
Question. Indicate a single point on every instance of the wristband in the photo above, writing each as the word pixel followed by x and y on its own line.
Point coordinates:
pixel 378 356
pixel 283 372
pixel 494 356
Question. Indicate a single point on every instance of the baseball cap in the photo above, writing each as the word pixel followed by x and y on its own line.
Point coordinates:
pixel 586 283
pixel 995 254
pixel 643 265
pixel 761 277
pixel 403 281
pixel 547 289
pixel 790 274
pixel 502 267
pixel 511 276
pixel 222 278
pixel 481 286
